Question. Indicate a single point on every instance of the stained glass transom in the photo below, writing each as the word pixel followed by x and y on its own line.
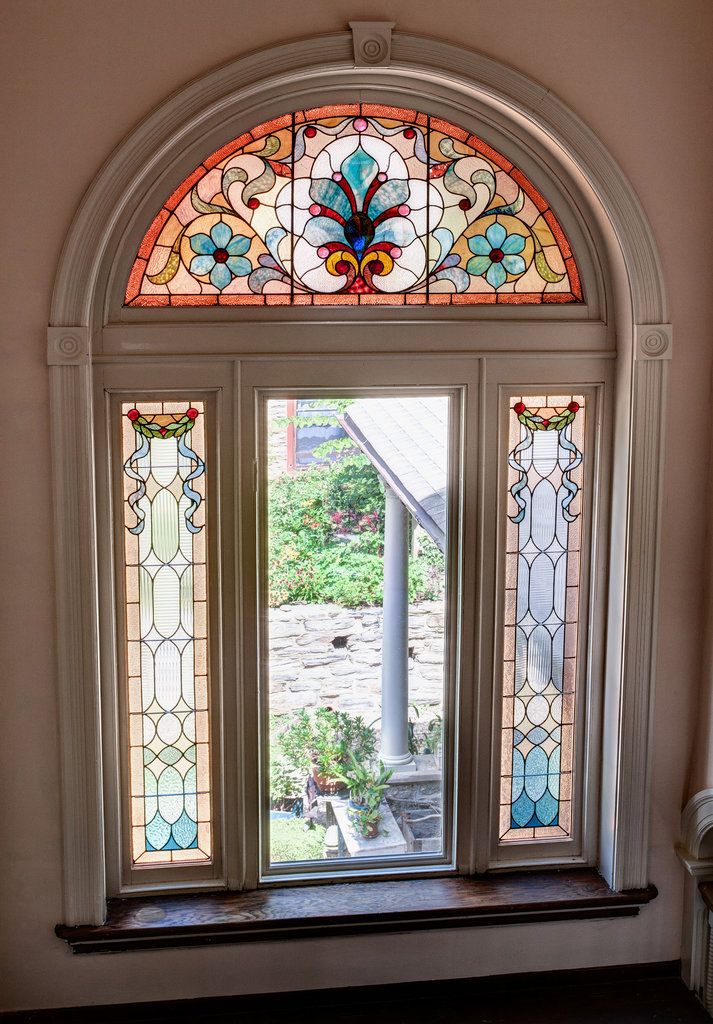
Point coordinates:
pixel 165 556
pixel 354 204
pixel 546 446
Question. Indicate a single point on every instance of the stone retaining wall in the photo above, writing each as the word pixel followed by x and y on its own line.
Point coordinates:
pixel 323 654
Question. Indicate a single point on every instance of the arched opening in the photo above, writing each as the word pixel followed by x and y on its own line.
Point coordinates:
pixel 605 227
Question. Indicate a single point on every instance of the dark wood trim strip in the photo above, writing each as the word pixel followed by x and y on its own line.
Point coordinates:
pixel 320 1001
pixel 352 908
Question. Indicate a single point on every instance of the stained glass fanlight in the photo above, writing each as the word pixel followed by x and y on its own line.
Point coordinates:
pixel 166 631
pixel 354 204
pixel 546 448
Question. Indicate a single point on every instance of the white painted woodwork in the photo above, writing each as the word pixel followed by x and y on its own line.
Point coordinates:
pixel 598 209
pixel 394 651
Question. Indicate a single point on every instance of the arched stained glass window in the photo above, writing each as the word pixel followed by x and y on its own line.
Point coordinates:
pixel 354 204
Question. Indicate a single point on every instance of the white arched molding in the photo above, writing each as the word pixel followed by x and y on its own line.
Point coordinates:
pixel 696 854
pixel 558 151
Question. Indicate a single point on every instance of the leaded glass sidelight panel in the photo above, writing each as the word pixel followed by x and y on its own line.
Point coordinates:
pixel 166 631
pixel 545 461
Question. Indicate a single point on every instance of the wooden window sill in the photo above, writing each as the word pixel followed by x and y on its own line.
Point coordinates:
pixel 349 908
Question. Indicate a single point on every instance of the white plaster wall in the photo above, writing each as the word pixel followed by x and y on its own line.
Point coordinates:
pixel 76 76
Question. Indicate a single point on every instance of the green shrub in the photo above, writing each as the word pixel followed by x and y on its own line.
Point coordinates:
pixel 326 739
pixel 326 538
pixel 291 841
pixel 285 784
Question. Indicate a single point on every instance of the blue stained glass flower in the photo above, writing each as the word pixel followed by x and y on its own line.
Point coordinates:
pixel 496 255
pixel 220 254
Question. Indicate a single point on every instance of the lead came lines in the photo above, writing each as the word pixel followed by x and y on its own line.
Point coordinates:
pixel 541 617
pixel 166 633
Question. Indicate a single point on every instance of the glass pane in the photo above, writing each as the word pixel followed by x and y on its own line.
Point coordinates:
pixel 354 204
pixel 357 548
pixel 165 557
pixel 546 447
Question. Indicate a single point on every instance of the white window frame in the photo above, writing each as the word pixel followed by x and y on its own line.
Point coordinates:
pixel 626 312
pixel 211 384
pixel 593 378
pixel 422 374
pixel 232 391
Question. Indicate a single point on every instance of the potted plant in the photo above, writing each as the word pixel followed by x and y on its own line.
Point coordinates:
pixel 323 741
pixel 366 791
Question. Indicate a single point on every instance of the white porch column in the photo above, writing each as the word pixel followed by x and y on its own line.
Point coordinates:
pixel 394 657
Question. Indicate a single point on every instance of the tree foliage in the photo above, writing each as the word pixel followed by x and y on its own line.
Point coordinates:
pixel 326 530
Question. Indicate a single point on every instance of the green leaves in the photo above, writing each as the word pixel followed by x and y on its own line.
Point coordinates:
pixel 326 537
pixel 151 429
pixel 556 422
pixel 325 739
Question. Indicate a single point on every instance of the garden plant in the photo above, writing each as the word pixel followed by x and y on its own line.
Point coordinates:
pixel 367 786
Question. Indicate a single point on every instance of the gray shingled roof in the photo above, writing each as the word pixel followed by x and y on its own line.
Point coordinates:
pixel 407 441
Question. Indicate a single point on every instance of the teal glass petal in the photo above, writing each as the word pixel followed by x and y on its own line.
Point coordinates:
pixel 184 831
pixel 513 244
pixel 547 809
pixel 238 245
pixel 536 773
pixel 221 234
pixel 158 832
pixel 201 265
pixel 202 243
pixel 518 774
pixel 478 265
pixel 522 811
pixel 480 245
pixel 537 735
pixel 272 241
pixel 397 230
pixel 327 193
pixel 496 275
pixel 220 276
pixel 321 230
pixel 388 195
pixel 150 782
pixel 170 781
pixel 359 169
pixel 169 755
pixel 239 266
pixel 170 806
pixel 496 235
pixel 514 264
pixel 444 238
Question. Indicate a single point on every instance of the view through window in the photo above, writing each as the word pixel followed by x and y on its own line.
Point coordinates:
pixel 355 668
